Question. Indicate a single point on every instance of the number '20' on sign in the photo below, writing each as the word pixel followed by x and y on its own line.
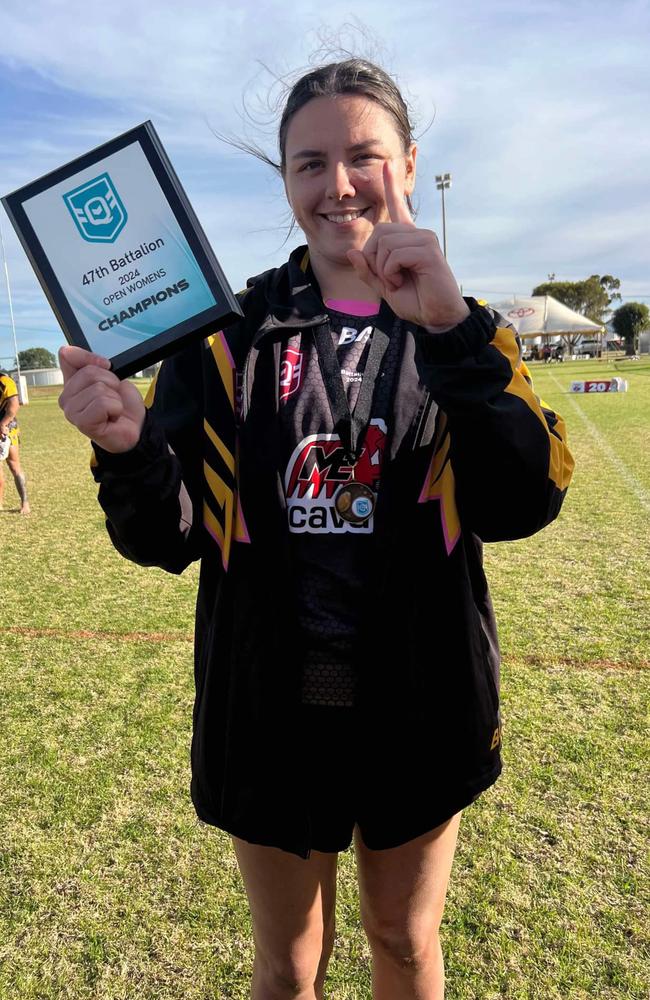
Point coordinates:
pixel 600 385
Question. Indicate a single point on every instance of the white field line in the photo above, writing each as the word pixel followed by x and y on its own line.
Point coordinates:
pixel 639 490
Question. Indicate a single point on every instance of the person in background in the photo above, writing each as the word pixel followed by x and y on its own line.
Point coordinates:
pixel 9 405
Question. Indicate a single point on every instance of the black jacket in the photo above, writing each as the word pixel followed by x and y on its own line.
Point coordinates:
pixel 484 461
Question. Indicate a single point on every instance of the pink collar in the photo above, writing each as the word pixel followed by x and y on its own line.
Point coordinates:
pixel 353 307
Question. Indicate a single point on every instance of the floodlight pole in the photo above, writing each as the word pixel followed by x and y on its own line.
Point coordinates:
pixel 11 311
pixel 443 181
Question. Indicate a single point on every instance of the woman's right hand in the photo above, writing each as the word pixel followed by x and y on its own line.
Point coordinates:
pixel 94 399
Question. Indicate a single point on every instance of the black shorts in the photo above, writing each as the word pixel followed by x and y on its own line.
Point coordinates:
pixel 331 734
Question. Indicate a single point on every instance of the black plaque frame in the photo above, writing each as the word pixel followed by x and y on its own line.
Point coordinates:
pixel 169 341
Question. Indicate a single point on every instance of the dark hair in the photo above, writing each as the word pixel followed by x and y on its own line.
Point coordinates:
pixel 348 76
pixel 353 76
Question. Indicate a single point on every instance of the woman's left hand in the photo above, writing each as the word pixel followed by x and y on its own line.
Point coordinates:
pixel 405 266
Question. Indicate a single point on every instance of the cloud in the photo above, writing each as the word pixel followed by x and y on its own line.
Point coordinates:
pixel 537 112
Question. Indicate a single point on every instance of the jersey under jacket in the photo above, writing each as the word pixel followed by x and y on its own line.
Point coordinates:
pixel 472 456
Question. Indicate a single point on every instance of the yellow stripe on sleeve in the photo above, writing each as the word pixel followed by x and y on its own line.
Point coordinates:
pixel 224 364
pixel 213 526
pixel 225 499
pixel 440 485
pixel 151 392
pixel 561 461
pixel 227 456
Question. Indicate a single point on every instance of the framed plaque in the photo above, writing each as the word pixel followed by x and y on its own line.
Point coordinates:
pixel 120 254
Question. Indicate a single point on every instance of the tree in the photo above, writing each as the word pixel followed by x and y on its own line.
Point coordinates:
pixel 591 297
pixel 629 321
pixel 37 357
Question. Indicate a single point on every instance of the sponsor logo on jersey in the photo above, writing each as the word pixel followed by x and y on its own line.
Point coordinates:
pixel 350 335
pixel 291 369
pixel 318 468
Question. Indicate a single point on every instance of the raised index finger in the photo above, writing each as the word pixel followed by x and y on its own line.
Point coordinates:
pixel 397 208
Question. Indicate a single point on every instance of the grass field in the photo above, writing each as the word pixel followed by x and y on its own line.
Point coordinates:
pixel 110 888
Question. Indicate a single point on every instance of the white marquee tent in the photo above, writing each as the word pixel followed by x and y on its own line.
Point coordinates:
pixel 544 316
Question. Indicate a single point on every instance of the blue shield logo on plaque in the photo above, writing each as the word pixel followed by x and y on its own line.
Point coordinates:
pixel 97 210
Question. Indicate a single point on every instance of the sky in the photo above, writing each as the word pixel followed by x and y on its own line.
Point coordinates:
pixel 537 109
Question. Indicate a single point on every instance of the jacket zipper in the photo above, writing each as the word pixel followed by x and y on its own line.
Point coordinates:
pixel 245 398
pixel 303 843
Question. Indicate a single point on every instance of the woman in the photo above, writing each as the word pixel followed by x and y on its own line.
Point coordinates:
pixel 9 438
pixel 336 460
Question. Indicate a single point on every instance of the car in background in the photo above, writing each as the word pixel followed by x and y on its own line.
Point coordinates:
pixel 587 349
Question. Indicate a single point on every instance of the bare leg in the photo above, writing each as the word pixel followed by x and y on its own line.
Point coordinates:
pixel 402 896
pixel 13 461
pixel 292 904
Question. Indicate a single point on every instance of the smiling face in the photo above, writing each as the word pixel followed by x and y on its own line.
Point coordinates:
pixel 335 151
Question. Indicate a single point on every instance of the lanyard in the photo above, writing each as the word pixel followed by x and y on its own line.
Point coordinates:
pixel 350 425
